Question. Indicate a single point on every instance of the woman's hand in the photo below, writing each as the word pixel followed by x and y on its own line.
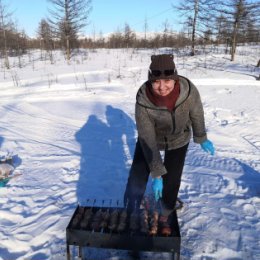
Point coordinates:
pixel 157 186
pixel 208 147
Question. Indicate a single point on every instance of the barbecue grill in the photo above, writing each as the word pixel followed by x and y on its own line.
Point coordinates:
pixel 92 226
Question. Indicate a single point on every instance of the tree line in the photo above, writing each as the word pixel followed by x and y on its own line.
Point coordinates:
pixel 228 22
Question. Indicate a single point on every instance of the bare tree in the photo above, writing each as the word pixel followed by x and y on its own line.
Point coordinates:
pixel 239 18
pixel 4 25
pixel 145 31
pixel 46 36
pixel 234 10
pixel 166 31
pixel 198 15
pixel 116 40
pixel 129 36
pixel 222 30
pixel 68 18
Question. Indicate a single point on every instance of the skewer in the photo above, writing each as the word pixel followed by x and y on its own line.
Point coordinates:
pixel 113 219
pixel 122 220
pixel 144 220
pixel 144 217
pixel 154 220
pixel 134 220
pixel 78 217
pixel 97 218
pixel 105 219
pixel 87 217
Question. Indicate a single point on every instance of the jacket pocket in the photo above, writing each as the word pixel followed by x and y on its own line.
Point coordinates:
pixel 186 129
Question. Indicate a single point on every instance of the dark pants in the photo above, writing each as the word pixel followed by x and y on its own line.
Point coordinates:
pixel 139 174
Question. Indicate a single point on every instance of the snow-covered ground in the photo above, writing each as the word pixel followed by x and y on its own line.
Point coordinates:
pixel 73 132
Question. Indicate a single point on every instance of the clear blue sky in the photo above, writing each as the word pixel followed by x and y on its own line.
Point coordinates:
pixel 106 15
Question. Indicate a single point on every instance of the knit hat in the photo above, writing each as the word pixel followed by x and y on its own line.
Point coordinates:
pixel 162 67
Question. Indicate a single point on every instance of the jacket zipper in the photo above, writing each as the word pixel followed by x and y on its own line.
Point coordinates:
pixel 165 143
pixel 173 120
pixel 173 128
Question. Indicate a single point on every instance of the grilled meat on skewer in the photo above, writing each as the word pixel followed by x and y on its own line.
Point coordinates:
pixel 81 210
pixel 134 222
pixel 122 221
pixel 86 218
pixel 154 223
pixel 165 228
pixel 105 219
pixel 144 223
pixel 97 218
pixel 75 221
pixel 88 213
pixel 78 217
pixel 113 220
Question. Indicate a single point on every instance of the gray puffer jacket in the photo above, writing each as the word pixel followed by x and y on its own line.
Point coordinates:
pixel 159 129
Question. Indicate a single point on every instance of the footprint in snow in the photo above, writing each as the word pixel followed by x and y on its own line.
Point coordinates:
pixel 229 214
pixel 249 210
pixel 70 175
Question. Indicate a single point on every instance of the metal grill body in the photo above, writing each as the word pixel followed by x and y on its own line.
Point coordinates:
pixel 125 240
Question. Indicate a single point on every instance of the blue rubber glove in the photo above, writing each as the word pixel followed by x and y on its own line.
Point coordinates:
pixel 157 185
pixel 208 147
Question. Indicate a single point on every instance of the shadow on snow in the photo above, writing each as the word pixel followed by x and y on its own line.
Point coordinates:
pixel 250 179
pixel 106 148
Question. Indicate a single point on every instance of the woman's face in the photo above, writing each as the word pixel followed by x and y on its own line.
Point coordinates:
pixel 163 87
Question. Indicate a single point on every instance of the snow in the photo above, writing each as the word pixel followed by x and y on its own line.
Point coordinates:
pixel 73 132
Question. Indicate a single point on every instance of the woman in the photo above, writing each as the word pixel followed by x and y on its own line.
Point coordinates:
pixel 168 109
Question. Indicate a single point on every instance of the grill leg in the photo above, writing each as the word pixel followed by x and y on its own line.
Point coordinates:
pixel 68 252
pixel 135 254
pixel 80 252
pixel 176 256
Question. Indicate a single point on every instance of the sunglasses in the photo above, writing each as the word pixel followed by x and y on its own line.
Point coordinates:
pixel 158 73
